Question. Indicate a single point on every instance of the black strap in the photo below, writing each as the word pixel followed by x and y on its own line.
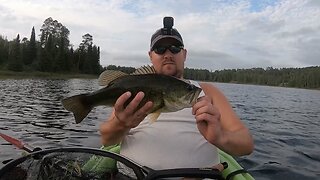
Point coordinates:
pixel 234 173
pixel 185 172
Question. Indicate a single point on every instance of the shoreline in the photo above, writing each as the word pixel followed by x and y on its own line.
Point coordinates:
pixel 317 89
pixel 4 74
pixel 43 75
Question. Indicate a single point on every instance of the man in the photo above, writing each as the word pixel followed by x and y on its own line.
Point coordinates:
pixel 187 138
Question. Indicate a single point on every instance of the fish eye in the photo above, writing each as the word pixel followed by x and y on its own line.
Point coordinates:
pixel 190 87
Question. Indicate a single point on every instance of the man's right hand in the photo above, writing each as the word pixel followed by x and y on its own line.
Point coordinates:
pixel 130 116
pixel 124 118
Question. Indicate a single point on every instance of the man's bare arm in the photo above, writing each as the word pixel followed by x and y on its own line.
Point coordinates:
pixel 220 125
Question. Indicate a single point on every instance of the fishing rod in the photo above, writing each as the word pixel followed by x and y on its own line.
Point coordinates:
pixel 62 158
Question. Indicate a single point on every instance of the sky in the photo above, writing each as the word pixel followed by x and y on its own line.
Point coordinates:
pixel 218 34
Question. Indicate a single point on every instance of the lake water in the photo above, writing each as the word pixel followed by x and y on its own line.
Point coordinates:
pixel 284 122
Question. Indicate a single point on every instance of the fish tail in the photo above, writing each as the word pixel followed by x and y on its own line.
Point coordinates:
pixel 78 105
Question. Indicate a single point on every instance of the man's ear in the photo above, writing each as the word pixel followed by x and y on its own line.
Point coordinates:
pixel 185 54
pixel 149 55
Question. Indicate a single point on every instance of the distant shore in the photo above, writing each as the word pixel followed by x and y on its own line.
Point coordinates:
pixel 43 75
pixel 4 74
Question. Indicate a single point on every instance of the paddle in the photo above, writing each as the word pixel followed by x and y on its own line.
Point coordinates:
pixel 19 143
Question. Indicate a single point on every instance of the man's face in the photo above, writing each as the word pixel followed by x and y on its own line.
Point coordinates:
pixel 168 63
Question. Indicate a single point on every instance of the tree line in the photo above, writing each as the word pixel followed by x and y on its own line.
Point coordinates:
pixel 52 53
pixel 308 77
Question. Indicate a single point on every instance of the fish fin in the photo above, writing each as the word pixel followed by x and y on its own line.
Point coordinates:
pixel 108 76
pixel 78 106
pixel 144 70
pixel 154 116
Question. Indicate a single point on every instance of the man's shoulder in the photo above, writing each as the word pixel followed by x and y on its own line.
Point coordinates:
pixel 207 85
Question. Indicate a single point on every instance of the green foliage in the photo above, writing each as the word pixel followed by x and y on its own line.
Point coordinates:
pixel 15 60
pixel 53 53
pixel 30 49
pixel 197 74
pixel 4 50
pixel 127 70
pixel 308 77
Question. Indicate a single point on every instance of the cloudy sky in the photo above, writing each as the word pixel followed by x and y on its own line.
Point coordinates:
pixel 218 34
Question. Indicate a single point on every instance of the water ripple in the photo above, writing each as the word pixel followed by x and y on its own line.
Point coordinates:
pixel 284 122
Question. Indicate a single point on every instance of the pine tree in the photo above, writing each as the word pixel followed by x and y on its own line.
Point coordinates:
pixel 24 50
pixel 4 51
pixel 55 40
pixel 46 56
pixel 15 60
pixel 31 49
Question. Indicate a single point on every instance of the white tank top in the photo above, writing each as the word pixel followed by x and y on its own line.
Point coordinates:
pixel 173 141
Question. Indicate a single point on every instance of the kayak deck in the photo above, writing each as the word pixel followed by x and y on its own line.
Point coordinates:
pixel 234 170
pixel 233 166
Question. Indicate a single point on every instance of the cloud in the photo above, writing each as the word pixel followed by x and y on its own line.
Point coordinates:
pixel 304 47
pixel 217 34
pixel 212 59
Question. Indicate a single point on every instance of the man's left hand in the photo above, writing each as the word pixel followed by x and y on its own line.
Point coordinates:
pixel 208 119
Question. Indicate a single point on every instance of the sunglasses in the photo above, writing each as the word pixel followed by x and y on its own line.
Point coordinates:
pixel 172 48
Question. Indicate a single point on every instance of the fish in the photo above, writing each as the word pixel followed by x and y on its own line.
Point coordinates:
pixel 168 93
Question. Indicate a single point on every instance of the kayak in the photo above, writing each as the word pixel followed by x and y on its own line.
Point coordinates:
pixel 234 170
pixel 103 163
pixel 75 163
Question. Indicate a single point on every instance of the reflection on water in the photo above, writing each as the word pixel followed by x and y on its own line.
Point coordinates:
pixel 284 123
